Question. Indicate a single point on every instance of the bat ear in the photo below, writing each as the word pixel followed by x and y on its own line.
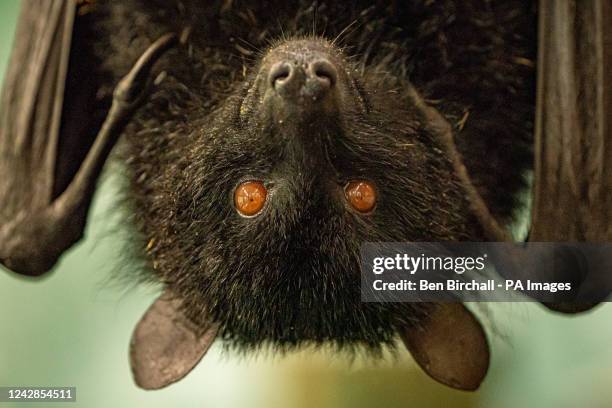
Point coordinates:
pixel 451 346
pixel 165 345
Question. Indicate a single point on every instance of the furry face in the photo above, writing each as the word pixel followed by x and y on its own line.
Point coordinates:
pixel 305 118
pixel 290 273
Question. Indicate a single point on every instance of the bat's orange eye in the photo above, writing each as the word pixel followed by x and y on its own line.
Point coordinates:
pixel 361 195
pixel 250 197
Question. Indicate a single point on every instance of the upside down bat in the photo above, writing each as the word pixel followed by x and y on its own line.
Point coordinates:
pixel 264 142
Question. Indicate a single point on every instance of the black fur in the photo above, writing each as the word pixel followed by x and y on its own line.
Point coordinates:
pixel 291 275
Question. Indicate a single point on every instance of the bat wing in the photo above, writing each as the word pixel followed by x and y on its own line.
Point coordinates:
pixel 55 135
pixel 41 146
pixel 573 178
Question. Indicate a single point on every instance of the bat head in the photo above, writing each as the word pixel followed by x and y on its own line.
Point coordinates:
pixel 281 185
pixel 258 223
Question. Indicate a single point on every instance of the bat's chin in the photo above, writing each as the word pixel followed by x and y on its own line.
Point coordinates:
pixel 313 301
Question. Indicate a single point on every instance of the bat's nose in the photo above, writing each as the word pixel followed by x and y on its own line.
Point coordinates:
pixel 310 77
pixel 300 78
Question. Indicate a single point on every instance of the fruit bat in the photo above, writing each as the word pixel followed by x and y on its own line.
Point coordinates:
pixel 264 142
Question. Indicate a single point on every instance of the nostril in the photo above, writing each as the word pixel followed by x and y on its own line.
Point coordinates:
pixel 324 71
pixel 279 73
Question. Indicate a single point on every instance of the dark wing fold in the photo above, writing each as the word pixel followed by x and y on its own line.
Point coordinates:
pixel 53 139
pixel 573 127
pixel 573 163
pixel 32 101
pixel 30 117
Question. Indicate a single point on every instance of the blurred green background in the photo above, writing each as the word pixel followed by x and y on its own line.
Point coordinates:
pixel 73 327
